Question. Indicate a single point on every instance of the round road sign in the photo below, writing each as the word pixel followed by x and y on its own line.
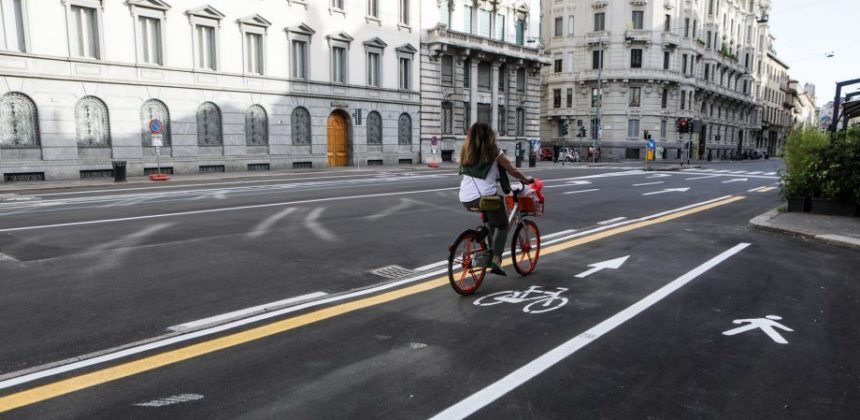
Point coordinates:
pixel 434 141
pixel 155 126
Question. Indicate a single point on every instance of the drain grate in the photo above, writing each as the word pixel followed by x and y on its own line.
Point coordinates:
pixel 394 272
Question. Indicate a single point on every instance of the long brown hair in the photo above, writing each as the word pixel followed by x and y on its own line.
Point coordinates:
pixel 480 145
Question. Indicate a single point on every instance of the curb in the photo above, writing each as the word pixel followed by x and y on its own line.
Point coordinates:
pixel 762 222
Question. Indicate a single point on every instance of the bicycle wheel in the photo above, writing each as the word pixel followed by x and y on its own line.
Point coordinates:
pixel 525 247
pixel 463 272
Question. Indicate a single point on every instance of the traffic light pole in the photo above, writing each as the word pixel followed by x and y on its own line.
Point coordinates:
pixel 599 101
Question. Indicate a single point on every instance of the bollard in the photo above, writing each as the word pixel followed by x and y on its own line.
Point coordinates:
pixel 119 171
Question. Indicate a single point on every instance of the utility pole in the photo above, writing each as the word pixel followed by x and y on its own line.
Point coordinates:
pixel 598 126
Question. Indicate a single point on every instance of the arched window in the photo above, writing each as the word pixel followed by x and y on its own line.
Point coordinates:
pixel 209 125
pixel 404 129
pixel 19 121
pixel 256 126
pixel 301 125
pixel 374 128
pixel 154 109
pixel 93 125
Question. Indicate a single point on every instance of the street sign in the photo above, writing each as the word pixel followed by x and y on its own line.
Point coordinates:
pixel 157 140
pixel 434 141
pixel 155 126
pixel 651 144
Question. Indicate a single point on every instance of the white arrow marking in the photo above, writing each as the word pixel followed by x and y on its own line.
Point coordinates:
pixel 668 190
pixel 611 264
pixel 736 180
pixel 577 182
pixel 658 176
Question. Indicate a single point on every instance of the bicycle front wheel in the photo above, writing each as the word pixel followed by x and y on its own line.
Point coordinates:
pixel 464 272
pixel 525 247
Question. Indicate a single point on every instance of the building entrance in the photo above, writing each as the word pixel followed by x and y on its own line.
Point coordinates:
pixel 338 139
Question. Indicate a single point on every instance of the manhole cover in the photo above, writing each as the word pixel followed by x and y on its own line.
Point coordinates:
pixel 393 272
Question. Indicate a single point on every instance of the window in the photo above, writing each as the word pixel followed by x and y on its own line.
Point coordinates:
pixel 570 25
pixel 557 65
pixel 256 126
pixel 632 129
pixel 599 21
pixel 404 15
pixel 206 52
pixel 154 109
pixel 503 77
pixel 521 122
pixel 12 35
pixel 485 112
pixel 467 73
pixel 209 125
pixel 467 19
pixel 254 53
pixel 667 24
pixel 405 73
pixel 484 76
pixel 374 128
pixel 92 123
pixel 521 80
pixel 638 19
pixel 521 30
pixel 559 26
pixel 683 100
pixel 300 123
pixel 663 127
pixel 149 40
pixel 500 27
pixel 467 116
pixel 635 96
pixel 373 69
pixel 337 4
pixel 404 129
pixel 205 24
pixel 484 18
pixel 447 118
pixel 19 121
pixel 338 65
pixel 447 70
pixel 570 97
pixel 596 59
pixel 445 12
pixel 84 28
pixel 695 26
pixel 372 8
pixel 666 59
pixel 664 99
pixel 595 97
pixel 684 64
pixel 707 71
pixel 636 58
pixel 708 41
pixel 686 27
pixel 556 98
pixel 299 56
pixel 502 121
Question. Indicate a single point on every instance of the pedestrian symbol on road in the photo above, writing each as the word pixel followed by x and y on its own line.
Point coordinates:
pixel 766 324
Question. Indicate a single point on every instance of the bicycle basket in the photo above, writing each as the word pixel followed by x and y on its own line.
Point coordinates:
pixel 528 205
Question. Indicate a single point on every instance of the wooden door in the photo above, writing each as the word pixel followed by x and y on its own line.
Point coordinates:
pixel 337 140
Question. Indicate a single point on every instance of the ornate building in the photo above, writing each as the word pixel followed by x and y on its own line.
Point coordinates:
pixel 479 62
pixel 237 85
pixel 632 66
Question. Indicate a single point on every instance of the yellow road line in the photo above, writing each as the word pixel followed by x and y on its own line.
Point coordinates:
pixel 77 383
pixel 766 189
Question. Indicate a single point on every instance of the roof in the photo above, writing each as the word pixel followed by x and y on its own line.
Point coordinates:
pixel 773 57
pixel 851 109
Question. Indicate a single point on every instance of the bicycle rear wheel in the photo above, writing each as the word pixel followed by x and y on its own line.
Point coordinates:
pixel 525 247
pixel 463 271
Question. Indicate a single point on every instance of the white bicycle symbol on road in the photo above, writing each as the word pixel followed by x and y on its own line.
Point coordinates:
pixel 541 300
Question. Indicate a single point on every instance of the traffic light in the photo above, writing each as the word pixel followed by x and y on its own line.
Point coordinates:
pixel 684 125
pixel 582 131
pixel 647 135
pixel 562 128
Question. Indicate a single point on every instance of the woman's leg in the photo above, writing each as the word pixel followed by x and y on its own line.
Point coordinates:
pixel 499 232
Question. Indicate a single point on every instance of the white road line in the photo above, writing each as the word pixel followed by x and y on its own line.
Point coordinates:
pixel 175 399
pixel 223 209
pixel 389 211
pixel 4 257
pixel 649 183
pixel 658 176
pixel 771 173
pixel 13 379
pixel 723 171
pixel 312 224
pixel 582 191
pixel 562 233
pixel 606 222
pixel 522 375
pixel 738 172
pixel 244 313
pixel 735 180
pixel 755 189
pixel 264 226
pixel 756 173
pixel 702 177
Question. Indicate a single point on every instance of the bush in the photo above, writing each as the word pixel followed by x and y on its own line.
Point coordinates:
pixel 842 180
pixel 804 163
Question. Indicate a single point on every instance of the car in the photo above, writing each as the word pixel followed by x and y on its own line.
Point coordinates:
pixel 545 153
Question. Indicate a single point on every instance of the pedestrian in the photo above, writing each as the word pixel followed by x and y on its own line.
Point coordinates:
pixel 482 164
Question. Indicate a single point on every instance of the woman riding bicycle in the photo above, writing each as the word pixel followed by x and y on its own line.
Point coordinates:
pixel 480 159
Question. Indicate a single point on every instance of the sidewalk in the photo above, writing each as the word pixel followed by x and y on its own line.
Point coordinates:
pixel 840 231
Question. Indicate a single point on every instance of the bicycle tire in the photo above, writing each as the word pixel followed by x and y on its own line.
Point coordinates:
pixel 525 247
pixel 465 277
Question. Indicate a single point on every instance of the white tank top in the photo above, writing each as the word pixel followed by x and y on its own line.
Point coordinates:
pixel 473 188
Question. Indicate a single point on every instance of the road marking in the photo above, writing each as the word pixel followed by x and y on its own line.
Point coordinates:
pixel 581 191
pixel 738 172
pixel 4 257
pixel 725 171
pixel 606 222
pixel 649 183
pixel 735 180
pixel 312 224
pixel 389 211
pixel 766 189
pixel 522 375
pixel 108 374
pixel 223 209
pixel 658 176
pixel 668 190
pixel 702 177
pixel 755 189
pixel 578 182
pixel 264 226
pixel 244 313
pixel 766 324
pixel 556 234
pixel 770 173
pixel 755 173
pixel 176 399
pixel 613 264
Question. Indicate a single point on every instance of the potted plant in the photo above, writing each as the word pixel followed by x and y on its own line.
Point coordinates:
pixel 803 166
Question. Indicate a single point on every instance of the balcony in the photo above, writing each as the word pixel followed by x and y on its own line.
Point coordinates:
pixel 594 38
pixel 477 43
pixel 670 38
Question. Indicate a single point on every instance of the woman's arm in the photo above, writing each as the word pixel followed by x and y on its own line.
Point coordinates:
pixel 509 168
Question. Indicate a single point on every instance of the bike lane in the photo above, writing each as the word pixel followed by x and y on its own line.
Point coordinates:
pixel 410 357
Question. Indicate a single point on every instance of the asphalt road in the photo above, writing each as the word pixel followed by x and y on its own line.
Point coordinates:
pixel 109 297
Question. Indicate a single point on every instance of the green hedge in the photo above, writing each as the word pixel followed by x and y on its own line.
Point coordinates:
pixel 817 167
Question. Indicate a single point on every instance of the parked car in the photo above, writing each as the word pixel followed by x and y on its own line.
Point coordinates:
pixel 568 154
pixel 545 153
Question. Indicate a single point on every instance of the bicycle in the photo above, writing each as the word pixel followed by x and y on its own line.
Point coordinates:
pixel 541 300
pixel 470 254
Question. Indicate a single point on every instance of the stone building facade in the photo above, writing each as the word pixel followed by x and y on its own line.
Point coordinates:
pixel 237 85
pixel 479 62
pixel 777 102
pixel 657 62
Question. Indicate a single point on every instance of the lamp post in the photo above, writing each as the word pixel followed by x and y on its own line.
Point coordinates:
pixel 599 103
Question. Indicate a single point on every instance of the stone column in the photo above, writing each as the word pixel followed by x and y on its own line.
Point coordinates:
pixel 473 90
pixel 494 88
